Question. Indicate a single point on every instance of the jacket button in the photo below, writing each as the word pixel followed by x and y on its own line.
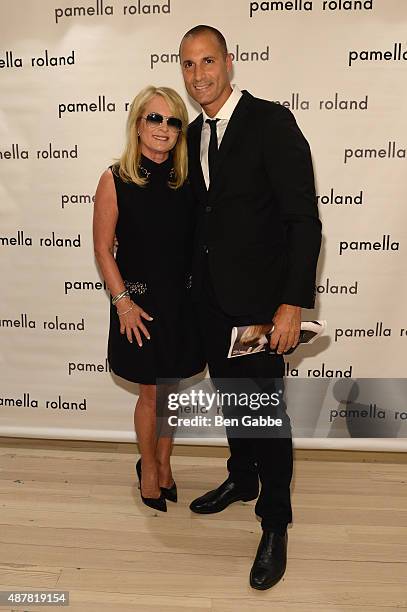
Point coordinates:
pixel 208 208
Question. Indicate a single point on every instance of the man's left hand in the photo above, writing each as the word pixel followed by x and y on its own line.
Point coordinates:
pixel 287 325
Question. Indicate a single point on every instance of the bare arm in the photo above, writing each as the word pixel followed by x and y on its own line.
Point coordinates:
pixel 105 215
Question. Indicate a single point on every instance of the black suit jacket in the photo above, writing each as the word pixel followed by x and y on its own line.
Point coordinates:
pixel 258 222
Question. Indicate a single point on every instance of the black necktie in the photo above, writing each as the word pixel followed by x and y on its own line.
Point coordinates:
pixel 213 146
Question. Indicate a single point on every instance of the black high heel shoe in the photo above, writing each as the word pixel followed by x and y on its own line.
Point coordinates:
pixel 170 493
pixel 158 503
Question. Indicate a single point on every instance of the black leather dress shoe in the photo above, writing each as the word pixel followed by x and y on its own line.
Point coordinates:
pixel 271 560
pixel 219 499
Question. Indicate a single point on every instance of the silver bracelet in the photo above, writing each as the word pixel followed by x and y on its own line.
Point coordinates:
pixel 119 296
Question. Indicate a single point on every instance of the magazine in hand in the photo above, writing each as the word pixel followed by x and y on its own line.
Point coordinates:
pixel 241 343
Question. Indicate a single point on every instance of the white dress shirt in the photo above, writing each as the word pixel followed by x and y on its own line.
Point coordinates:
pixel 224 114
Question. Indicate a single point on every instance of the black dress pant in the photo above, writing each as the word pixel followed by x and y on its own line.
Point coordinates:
pixel 268 458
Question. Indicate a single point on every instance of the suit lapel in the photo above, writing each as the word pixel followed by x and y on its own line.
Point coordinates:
pixel 195 169
pixel 235 127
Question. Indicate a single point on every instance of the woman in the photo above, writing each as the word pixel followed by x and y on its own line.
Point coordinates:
pixel 143 199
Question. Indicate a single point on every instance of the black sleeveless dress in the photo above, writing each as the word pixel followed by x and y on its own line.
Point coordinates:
pixel 155 233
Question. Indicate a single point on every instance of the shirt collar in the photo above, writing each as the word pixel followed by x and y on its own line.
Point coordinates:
pixel 227 109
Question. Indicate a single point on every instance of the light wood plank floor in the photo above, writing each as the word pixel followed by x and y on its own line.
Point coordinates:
pixel 71 519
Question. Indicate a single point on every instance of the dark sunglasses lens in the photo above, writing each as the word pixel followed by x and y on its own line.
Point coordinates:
pixel 155 118
pixel 174 122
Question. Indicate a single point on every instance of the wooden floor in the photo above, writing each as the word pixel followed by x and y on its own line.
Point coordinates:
pixel 71 519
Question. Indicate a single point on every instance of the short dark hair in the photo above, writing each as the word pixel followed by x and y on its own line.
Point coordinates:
pixel 201 29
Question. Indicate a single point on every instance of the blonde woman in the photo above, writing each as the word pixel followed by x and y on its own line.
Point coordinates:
pixel 143 199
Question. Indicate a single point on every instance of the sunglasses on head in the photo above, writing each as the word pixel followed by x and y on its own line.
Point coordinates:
pixel 156 119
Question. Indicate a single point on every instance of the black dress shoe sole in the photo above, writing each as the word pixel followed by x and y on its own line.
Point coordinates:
pixel 223 507
pixel 268 585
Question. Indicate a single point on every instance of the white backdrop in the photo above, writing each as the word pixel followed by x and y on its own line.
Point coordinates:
pixel 67 72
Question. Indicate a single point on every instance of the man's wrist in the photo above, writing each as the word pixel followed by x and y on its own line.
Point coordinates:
pixel 291 306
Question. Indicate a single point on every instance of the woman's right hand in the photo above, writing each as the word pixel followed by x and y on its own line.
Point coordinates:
pixel 131 322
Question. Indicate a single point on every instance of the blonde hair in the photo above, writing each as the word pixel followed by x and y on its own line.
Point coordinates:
pixel 252 334
pixel 127 166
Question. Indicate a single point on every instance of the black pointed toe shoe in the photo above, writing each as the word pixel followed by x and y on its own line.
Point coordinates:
pixel 170 493
pixel 271 560
pixel 157 503
pixel 219 499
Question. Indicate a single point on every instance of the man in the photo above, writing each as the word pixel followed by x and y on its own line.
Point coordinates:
pixel 257 247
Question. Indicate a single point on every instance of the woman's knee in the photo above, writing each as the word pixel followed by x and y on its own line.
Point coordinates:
pixel 147 396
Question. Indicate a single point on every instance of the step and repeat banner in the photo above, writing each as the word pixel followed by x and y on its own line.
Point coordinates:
pixel 68 72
